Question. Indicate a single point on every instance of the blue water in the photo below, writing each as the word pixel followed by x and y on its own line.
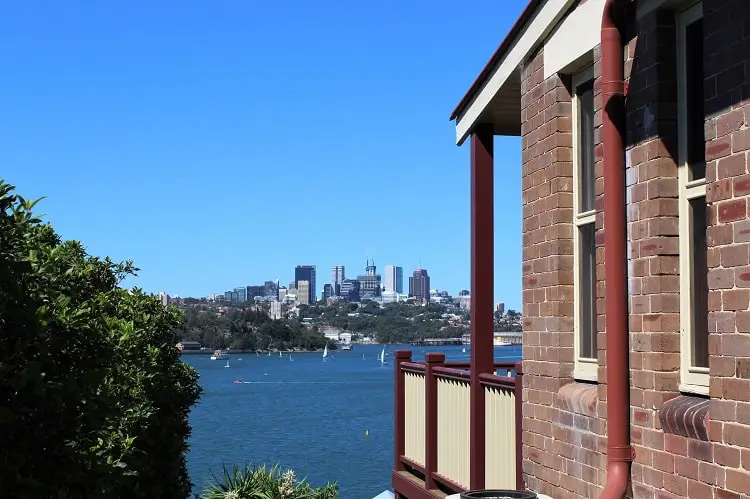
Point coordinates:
pixel 329 421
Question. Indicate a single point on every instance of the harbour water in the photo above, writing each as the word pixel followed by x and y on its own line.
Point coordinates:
pixel 328 420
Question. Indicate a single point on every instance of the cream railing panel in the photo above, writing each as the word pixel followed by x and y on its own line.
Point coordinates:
pixel 414 417
pixel 500 438
pixel 453 431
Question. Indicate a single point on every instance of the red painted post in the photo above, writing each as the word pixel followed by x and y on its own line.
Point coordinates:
pixel 431 415
pixel 518 392
pixel 482 292
pixel 398 407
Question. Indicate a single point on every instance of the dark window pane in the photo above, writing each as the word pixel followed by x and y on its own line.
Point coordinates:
pixel 696 139
pixel 588 291
pixel 585 94
pixel 699 290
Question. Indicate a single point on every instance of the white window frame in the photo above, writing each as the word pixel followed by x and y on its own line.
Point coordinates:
pixel 692 379
pixel 583 368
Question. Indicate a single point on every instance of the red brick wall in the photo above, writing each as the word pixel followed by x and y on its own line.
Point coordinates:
pixel 564 442
pixel 561 439
pixel 727 47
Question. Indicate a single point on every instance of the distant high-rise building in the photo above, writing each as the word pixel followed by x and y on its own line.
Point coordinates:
pixel 500 308
pixel 270 289
pixel 394 279
pixel 254 291
pixel 419 285
pixel 350 290
pixel 275 311
pixel 369 284
pixel 327 291
pixel 337 277
pixel 306 273
pixel 241 294
pixel 303 292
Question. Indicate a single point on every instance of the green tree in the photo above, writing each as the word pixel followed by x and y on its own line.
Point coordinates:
pixel 94 399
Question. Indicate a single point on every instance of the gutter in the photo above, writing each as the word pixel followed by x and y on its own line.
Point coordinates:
pixel 619 450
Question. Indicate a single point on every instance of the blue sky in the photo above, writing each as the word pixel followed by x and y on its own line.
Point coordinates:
pixel 220 144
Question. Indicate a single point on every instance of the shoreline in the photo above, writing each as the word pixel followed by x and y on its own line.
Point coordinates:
pixel 259 352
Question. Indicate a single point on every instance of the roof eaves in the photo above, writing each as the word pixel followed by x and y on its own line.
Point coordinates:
pixel 497 57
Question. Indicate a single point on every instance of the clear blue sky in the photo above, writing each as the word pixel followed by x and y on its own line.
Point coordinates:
pixel 220 144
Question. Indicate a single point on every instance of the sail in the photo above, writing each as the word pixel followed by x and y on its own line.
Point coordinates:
pixel 325 351
pixel 382 356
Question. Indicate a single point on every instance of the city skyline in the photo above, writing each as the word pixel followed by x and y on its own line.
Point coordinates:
pixel 201 98
pixel 350 274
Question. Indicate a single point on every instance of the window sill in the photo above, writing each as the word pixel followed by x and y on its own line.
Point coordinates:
pixel 586 376
pixel 686 416
pixel 700 390
pixel 579 398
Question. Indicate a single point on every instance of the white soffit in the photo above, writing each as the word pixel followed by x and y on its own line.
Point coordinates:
pixel 577 35
pixel 541 24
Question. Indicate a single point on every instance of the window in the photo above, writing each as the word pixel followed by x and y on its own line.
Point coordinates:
pixel 692 199
pixel 584 230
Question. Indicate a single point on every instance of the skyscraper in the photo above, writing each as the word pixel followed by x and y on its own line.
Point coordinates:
pixel 394 279
pixel 369 283
pixel 419 285
pixel 303 292
pixel 337 277
pixel 306 273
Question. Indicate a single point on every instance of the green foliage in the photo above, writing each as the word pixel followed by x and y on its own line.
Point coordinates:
pixel 248 330
pixel 390 323
pixel 251 482
pixel 95 399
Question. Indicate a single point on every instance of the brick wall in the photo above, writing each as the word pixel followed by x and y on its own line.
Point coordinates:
pixel 561 440
pixel 564 441
pixel 653 269
pixel 727 48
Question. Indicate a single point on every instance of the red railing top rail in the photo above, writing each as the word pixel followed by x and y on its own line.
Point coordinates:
pixel 502 382
pixel 451 373
pixel 413 367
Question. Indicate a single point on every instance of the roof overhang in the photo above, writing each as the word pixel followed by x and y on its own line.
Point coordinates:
pixel 495 96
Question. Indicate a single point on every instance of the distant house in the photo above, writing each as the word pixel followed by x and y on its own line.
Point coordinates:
pixel 188 346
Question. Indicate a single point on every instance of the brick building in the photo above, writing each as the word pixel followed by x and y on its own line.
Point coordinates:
pixel 647 102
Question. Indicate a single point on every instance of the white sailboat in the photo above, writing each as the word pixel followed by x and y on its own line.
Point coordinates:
pixel 382 357
pixel 280 354
pixel 325 352
pixel 227 365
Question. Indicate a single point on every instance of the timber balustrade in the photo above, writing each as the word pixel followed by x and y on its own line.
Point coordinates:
pixel 433 426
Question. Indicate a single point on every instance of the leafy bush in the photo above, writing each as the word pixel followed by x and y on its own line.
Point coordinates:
pixel 94 399
pixel 252 482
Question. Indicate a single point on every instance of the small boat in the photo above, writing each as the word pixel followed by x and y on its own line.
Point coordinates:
pixel 500 343
pixel 227 364
pixel 220 355
pixel 238 382
pixel 280 354
pixel 381 358
pixel 463 350
pixel 346 346
pixel 325 352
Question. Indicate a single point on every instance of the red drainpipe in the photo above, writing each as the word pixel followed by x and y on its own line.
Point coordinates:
pixel 619 451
